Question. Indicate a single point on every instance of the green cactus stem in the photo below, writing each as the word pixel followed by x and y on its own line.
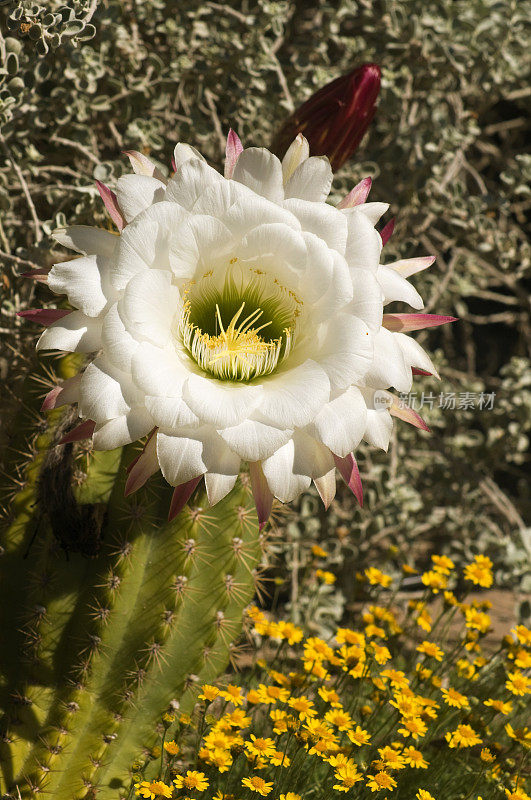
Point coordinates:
pixel 116 614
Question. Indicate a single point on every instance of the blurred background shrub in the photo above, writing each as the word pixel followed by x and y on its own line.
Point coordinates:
pixel 82 80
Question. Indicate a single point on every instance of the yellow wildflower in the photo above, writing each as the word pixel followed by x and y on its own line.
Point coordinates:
pixel 233 694
pixel 220 759
pixel 414 758
pixel 316 649
pixel 348 775
pixel 423 794
pixel 434 580
pixel 259 746
pixel 341 719
pixel 523 634
pixel 522 659
pixel 358 736
pixel 477 620
pixel 380 781
pixel 480 571
pixel 407 570
pixel 290 796
pixel 172 748
pixel 391 758
pixel 192 780
pixel 152 790
pixel 290 632
pixel 486 756
pixel 378 578
pixel 518 683
pixel 522 735
pixel 442 564
pixel 414 727
pixel 318 551
pixel 279 759
pixel 381 653
pixel 517 794
pixel 326 577
pixel 454 698
pixel 237 719
pixel 303 706
pixel 463 736
pixel 258 785
pixel 330 696
pixel 208 692
pixel 348 636
pixel 431 650
pixel 398 679
pixel 500 706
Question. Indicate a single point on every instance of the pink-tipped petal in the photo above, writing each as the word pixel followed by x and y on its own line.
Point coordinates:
pixel 44 316
pixel 173 164
pixel 387 231
pixel 326 486
pixel 262 495
pixel 417 371
pixel 400 323
pixel 143 467
pixel 357 195
pixel 232 152
pixel 407 414
pixel 83 431
pixel 111 204
pixel 66 392
pixel 407 267
pixel 142 165
pixel 36 274
pixel 350 473
pixel 180 497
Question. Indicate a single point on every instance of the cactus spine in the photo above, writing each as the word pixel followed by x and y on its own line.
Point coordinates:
pixel 97 648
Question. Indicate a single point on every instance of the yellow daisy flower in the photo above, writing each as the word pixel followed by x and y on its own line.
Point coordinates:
pixel 463 736
pixel 258 785
pixel 454 698
pixel 380 781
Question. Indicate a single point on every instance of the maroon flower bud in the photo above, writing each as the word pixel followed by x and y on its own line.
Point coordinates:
pixel 335 118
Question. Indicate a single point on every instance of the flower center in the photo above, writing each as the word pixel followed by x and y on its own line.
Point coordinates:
pixel 241 330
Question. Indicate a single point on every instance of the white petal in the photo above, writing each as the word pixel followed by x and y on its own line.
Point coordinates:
pixel 218 198
pixel 118 344
pixel 136 251
pixel 364 244
pixel 319 268
pixel 145 242
pixel 196 242
pixel 87 240
pixel 341 423
pixel 223 467
pixel 220 403
pixel 277 246
pixel 388 367
pixel 395 287
pixel 106 392
pixel 326 486
pixel 180 457
pixel 293 397
pixel 325 221
pixel 184 152
pixel 149 305
pixel 81 281
pixel 311 180
pixel 122 430
pixel 297 152
pixel 75 333
pixel 282 479
pixel 170 413
pixel 137 192
pixel 247 214
pixel 367 300
pixel 347 351
pixel 373 211
pixel 253 440
pixel 379 425
pixel 339 294
pixel 410 266
pixel 190 181
pixel 261 171
pixel 158 372
pixel 414 354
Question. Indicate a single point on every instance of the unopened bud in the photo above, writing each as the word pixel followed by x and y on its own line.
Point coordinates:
pixel 335 118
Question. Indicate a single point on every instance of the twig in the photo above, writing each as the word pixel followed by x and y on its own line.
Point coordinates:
pixel 25 189
pixel 22 261
pixel 76 146
pixel 215 119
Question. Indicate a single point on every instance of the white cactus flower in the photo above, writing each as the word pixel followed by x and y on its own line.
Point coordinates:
pixel 236 317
